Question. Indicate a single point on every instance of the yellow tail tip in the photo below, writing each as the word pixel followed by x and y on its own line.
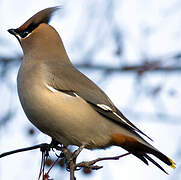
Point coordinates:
pixel 173 165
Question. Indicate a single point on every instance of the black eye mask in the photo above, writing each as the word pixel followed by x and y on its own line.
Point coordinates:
pixel 27 31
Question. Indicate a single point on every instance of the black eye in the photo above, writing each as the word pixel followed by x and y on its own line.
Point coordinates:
pixel 23 34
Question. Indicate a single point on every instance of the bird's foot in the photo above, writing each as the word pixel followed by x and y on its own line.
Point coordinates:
pixel 70 157
pixel 77 152
pixel 56 145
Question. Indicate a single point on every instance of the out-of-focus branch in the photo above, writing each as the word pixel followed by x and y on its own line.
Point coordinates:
pixel 152 65
pixel 6 60
pixel 129 68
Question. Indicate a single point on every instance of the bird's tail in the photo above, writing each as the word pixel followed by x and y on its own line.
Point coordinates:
pixel 140 148
pixel 144 157
pixel 162 157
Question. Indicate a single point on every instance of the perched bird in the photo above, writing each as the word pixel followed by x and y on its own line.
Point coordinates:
pixel 63 103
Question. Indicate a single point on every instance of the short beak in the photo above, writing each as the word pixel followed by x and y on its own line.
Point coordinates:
pixel 12 31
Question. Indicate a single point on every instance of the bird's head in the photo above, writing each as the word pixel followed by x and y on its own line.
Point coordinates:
pixel 31 24
pixel 36 34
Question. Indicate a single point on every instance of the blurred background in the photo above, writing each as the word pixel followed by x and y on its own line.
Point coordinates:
pixel 131 49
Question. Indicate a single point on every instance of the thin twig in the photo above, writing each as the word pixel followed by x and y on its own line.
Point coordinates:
pixel 89 164
pixel 41 166
pixel 53 165
pixel 24 149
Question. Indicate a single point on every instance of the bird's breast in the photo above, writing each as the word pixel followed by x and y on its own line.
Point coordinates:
pixel 68 119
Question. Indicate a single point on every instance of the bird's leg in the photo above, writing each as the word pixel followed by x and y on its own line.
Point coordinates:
pixel 70 158
pixel 55 145
pixel 77 152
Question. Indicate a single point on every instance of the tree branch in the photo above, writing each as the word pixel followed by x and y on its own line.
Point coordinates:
pixel 154 65
pixel 128 69
pixel 67 155
pixel 24 149
pixel 89 164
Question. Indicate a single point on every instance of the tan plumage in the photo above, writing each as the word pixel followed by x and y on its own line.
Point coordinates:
pixel 65 104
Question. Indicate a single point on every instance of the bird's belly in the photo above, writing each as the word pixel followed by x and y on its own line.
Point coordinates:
pixel 67 119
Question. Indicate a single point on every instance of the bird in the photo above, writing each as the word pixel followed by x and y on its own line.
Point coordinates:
pixel 65 104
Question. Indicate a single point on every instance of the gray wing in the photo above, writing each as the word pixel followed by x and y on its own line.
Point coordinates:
pixel 66 78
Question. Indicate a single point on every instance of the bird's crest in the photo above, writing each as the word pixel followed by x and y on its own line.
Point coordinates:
pixel 40 17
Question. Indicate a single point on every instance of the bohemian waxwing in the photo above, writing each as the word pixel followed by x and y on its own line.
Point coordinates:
pixel 66 105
